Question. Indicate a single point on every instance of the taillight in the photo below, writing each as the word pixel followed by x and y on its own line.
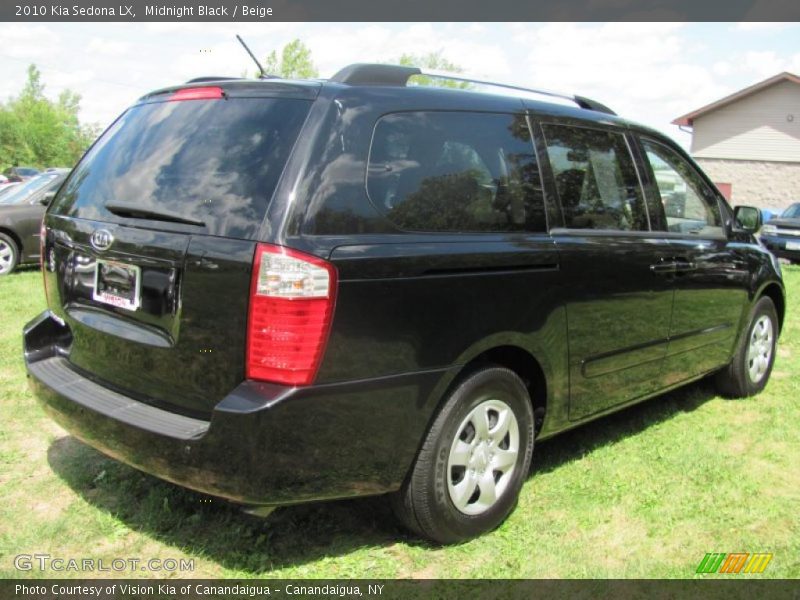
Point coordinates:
pixel 292 298
pixel 198 93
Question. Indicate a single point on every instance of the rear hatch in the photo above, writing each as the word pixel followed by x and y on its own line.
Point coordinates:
pixel 150 242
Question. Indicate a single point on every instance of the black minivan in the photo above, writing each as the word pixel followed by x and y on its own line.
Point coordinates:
pixel 281 291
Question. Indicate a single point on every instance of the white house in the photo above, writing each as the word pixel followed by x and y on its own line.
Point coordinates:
pixel 749 142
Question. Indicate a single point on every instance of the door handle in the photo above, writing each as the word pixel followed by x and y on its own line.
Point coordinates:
pixel 683 265
pixel 664 267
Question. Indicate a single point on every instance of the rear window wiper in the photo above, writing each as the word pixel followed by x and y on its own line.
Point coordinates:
pixel 139 212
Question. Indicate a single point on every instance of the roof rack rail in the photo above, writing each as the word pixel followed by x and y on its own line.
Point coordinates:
pixel 211 78
pixel 398 75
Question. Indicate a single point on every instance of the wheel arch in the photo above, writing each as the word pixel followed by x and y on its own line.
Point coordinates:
pixel 526 364
pixel 775 293
pixel 14 237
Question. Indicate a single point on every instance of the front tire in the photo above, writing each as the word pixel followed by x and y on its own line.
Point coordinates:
pixel 473 462
pixel 9 255
pixel 749 371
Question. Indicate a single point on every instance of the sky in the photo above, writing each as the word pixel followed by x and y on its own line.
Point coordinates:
pixel 647 72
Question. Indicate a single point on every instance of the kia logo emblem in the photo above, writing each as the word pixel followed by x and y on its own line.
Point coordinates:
pixel 102 240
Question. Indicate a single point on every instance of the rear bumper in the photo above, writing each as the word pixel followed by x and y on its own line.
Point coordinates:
pixel 264 444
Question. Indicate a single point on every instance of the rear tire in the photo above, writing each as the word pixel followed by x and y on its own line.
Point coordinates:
pixel 473 462
pixel 749 371
pixel 9 255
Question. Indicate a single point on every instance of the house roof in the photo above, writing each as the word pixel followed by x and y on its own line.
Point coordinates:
pixel 688 118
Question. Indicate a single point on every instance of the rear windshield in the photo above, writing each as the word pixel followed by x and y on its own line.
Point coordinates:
pixel 210 161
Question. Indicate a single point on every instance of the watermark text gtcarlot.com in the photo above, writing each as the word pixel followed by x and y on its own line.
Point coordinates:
pixel 46 562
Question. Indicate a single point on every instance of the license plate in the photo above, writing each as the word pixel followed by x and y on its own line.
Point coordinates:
pixel 793 245
pixel 117 284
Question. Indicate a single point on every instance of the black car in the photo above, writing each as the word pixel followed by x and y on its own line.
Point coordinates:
pixel 288 291
pixel 781 235
pixel 21 212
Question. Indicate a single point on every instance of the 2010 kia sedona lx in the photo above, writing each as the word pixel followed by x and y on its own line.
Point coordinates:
pixel 288 291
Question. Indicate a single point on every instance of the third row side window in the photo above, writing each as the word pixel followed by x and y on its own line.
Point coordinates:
pixel 456 172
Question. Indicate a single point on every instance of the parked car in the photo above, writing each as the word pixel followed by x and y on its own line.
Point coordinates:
pixel 5 183
pixel 781 235
pixel 6 188
pixel 294 291
pixel 20 173
pixel 21 212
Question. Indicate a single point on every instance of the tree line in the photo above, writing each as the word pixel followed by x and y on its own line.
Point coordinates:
pixel 38 132
pixel 295 62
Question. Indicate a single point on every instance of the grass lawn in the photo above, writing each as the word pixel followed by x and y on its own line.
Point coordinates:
pixel 643 493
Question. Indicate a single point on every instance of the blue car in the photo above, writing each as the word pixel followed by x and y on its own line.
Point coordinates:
pixel 781 235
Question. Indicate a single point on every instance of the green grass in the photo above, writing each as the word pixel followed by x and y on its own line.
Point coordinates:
pixel 643 493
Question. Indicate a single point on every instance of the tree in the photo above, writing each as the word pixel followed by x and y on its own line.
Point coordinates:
pixel 38 132
pixel 294 63
pixel 433 60
pixel 34 89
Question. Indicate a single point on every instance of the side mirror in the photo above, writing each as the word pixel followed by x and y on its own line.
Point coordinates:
pixel 47 198
pixel 748 218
